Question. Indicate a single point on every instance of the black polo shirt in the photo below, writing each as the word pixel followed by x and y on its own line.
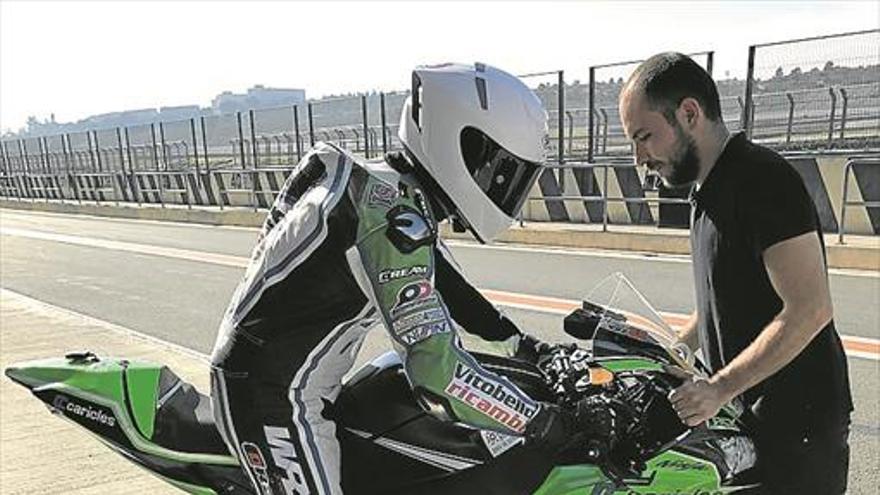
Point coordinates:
pixel 751 200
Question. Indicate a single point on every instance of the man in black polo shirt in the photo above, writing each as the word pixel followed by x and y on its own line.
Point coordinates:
pixel 763 307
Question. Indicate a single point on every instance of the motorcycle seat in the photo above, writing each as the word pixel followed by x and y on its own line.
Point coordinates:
pixel 184 419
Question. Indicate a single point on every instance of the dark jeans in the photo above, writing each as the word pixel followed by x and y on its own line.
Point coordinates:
pixel 806 460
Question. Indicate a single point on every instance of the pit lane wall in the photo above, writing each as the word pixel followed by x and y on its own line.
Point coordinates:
pixel 823 175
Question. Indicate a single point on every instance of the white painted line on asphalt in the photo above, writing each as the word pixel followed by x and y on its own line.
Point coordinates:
pixel 59 312
pixel 185 254
pixel 24 214
pixel 563 251
pixel 639 256
pixel 855 346
pixel 458 243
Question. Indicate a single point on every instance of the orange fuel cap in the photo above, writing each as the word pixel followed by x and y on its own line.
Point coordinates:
pixel 600 376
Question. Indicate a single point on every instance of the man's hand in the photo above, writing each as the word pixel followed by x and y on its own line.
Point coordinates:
pixel 698 399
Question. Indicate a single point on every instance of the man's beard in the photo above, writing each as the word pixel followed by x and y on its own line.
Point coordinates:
pixel 685 163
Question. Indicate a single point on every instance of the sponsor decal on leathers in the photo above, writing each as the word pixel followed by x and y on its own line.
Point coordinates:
pixel 490 398
pixel 381 195
pixel 499 443
pixel 412 293
pixel 284 456
pixel 411 320
pixel 92 413
pixel 257 462
pixel 421 333
pixel 386 276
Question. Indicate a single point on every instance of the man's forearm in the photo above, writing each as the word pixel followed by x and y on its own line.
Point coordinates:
pixel 776 346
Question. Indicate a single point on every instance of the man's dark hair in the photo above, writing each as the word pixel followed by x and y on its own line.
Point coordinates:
pixel 668 78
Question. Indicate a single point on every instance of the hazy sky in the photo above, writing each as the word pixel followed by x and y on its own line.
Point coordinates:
pixel 76 59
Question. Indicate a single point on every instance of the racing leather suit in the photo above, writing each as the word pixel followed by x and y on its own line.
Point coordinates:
pixel 347 245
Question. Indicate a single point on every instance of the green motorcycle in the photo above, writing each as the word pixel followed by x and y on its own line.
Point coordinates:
pixel 150 416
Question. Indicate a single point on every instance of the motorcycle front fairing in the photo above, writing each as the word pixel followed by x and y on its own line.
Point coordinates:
pixel 630 336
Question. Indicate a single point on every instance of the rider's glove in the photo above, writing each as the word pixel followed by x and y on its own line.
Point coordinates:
pixel 560 428
pixel 553 427
pixel 532 349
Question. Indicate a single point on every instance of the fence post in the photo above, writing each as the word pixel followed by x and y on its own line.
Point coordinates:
pixel 296 135
pixel 71 174
pixel 253 140
pixel 560 93
pixel 710 61
pixel 205 147
pixel 843 111
pixel 135 189
pixel 384 129
pixel 841 228
pixel 22 151
pixel 98 152
pixel 311 126
pixel 11 168
pixel 749 108
pixel 7 169
pixel 591 102
pixel 121 157
pixel 192 129
pixel 790 117
pixel 604 125
pixel 164 146
pixel 742 111
pixel 605 199
pixel 366 127
pixel 240 140
pixel 41 149
pixel 831 117
pixel 91 153
pixel 570 135
pixel 155 156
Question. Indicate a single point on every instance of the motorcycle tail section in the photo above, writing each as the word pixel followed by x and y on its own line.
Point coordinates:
pixel 141 410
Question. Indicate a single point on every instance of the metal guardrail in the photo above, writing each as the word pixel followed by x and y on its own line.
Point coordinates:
pixel 117 187
pixel 844 201
pixel 604 198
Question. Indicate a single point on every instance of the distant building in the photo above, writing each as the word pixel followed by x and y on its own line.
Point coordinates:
pixel 257 97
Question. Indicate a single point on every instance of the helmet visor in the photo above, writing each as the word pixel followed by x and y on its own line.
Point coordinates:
pixel 505 178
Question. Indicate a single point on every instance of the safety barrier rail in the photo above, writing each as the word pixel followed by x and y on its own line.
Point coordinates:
pixel 604 197
pixel 844 199
pixel 257 188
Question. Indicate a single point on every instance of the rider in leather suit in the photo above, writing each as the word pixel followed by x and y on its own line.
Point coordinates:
pixel 349 244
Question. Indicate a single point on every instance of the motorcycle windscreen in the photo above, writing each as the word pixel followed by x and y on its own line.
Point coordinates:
pixel 628 323
pixel 504 177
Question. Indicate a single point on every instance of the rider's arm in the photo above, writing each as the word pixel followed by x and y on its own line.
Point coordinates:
pixel 399 276
pixel 466 304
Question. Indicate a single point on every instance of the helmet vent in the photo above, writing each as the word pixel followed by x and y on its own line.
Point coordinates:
pixel 481 93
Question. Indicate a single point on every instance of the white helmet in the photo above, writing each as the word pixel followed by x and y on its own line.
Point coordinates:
pixel 479 133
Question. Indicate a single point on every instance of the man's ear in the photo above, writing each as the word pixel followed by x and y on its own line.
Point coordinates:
pixel 690 112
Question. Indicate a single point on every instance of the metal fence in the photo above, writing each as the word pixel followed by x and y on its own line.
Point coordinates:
pixel 811 94
pixel 819 92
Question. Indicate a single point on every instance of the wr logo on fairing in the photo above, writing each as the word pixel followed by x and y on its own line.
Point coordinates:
pixel 284 457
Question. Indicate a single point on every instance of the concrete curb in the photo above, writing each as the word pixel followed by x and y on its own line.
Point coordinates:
pixel 863 253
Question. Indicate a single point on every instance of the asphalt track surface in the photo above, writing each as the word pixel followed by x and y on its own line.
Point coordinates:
pixel 172 281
